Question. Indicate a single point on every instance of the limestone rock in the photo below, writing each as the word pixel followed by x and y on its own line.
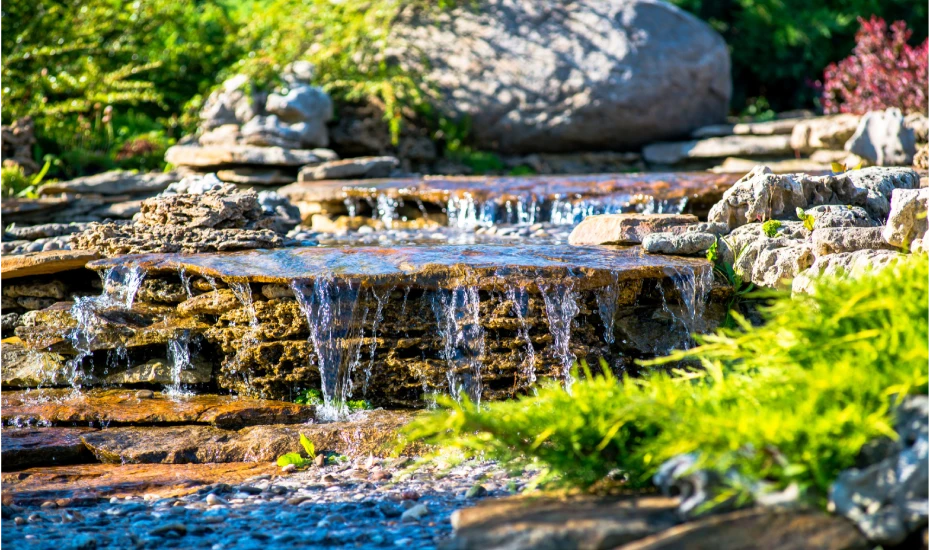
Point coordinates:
pixel 551 76
pixel 111 239
pixel 45 263
pixel 223 208
pixel 28 447
pixel 729 146
pixel 360 167
pixel 830 215
pixel 255 176
pixel 42 231
pixel 159 371
pixel 217 155
pixel 773 127
pixel 227 134
pixel 847 264
pixel 922 157
pixel 887 500
pixel 306 109
pixel 828 132
pixel 116 182
pixel 769 261
pixel 268 131
pixel 229 104
pixel 21 368
pixel 883 139
pixel 569 523
pixel 627 228
pixel 761 195
pixel 686 244
pixel 835 240
pixel 907 220
pixel 216 302
pixel 49 289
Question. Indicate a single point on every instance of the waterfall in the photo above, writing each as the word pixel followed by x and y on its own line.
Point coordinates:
pixel 179 356
pixel 561 307
pixel 521 299
pixel 607 298
pixel 457 312
pixel 381 300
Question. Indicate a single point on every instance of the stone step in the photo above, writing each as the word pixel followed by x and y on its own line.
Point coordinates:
pixel 126 407
pixel 28 447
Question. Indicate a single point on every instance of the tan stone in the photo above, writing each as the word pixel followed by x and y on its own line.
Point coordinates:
pixel 44 263
pixel 828 132
pixel 835 240
pixel 627 228
pixel 719 147
pixel 359 167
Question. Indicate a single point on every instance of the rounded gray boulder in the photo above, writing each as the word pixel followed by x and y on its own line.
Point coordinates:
pixel 562 75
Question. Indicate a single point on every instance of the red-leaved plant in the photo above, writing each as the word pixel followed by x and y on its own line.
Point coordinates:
pixel 883 71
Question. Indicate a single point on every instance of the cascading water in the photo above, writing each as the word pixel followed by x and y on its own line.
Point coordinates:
pixel 561 303
pixel 179 355
pixel 520 299
pixel 243 293
pixel 381 300
pixel 120 286
pixel 457 312
pixel 331 308
pixel 607 298
pixel 692 286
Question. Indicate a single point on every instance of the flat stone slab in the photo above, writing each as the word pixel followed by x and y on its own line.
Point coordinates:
pixel 373 432
pixel 116 182
pixel 28 447
pixel 218 155
pixel 120 407
pixel 626 228
pixel 86 483
pixel 760 528
pixel 44 263
pixel 585 522
pixel 359 167
pixel 490 266
pixel 696 186
pixel 256 176
pixel 717 147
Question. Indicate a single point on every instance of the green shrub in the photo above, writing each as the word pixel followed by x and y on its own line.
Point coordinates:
pixel 791 401
pixel 779 48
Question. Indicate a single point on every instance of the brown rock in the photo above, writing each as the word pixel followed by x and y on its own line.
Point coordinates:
pixel 216 302
pixel 111 239
pixel 28 447
pixel 51 289
pixel 123 407
pixel 116 182
pixel 44 263
pixel 88 482
pixel 627 228
pixel 375 433
pixel 570 523
pixel 750 529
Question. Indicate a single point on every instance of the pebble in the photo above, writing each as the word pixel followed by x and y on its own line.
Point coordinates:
pixel 145 394
pixel 288 468
pixel 177 528
pixel 214 500
pixel 415 513
pixel 476 491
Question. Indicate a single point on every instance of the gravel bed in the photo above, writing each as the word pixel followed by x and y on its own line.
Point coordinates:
pixel 366 503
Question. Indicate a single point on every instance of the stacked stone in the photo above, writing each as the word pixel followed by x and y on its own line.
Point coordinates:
pixel 802 143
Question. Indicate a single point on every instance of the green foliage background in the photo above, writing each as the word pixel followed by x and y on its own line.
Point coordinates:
pixel 153 62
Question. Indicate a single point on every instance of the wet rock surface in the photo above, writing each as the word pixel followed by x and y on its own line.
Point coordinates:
pixel 29 447
pixel 44 263
pixel 116 407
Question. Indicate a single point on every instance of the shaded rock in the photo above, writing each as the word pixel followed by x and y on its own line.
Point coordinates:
pixel 729 146
pixel 306 109
pixel 286 216
pixel 883 139
pixel 766 528
pixel 216 155
pixel 887 500
pixel 198 184
pixel 90 481
pixel 920 125
pixel 115 407
pixel 373 432
pixel 224 135
pixel 228 105
pixel 161 290
pixel 922 157
pixel 738 165
pixel 18 140
pixel 560 523
pixel 761 195
pixel 769 261
pixel 28 447
pixel 835 240
pixel 847 264
pixel 116 182
pixel 49 289
pixel 44 263
pixel 828 132
pixel 118 211
pixel 907 220
pixel 268 131
pixel 627 228
pixel 360 167
pixel 111 239
pixel 10 321
pixel 255 176
pixel 591 75
pixel 42 231
pixel 689 243
pixel 772 127
pixel 588 162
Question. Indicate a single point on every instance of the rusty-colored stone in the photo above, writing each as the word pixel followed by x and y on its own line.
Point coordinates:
pixel 44 263
pixel 28 447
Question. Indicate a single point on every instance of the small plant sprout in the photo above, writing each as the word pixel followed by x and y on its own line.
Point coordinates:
pixel 295 458
pixel 770 228
pixel 839 168
pixel 808 219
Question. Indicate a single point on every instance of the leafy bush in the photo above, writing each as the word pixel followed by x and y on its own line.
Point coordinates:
pixel 778 48
pixel 883 71
pixel 315 397
pixel 791 401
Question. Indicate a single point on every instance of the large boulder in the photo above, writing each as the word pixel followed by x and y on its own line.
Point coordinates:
pixel 883 139
pixel 558 75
